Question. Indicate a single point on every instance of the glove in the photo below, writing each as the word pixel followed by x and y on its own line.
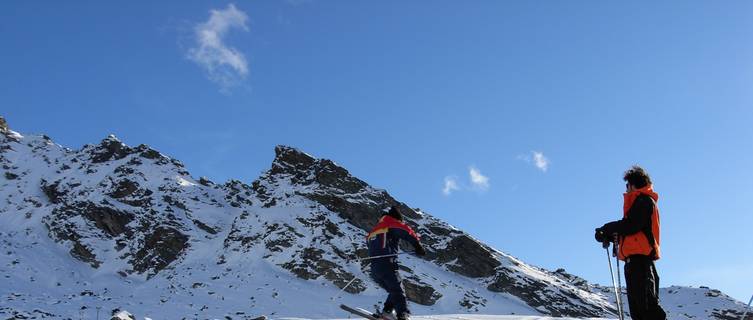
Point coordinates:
pixel 420 251
pixel 601 236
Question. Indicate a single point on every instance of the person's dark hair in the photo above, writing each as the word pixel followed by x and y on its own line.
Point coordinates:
pixel 395 213
pixel 637 176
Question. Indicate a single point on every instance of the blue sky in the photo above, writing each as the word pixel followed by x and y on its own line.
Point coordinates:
pixel 411 95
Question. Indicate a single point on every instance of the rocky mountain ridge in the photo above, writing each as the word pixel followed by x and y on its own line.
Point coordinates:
pixel 129 227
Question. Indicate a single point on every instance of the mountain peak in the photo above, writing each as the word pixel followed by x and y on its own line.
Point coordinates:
pixel 307 169
pixel 110 148
pixel 3 125
pixel 7 132
pixel 286 156
pixel 111 137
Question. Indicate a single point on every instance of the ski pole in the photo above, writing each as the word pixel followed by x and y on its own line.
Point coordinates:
pixel 347 285
pixel 747 308
pixel 619 278
pixel 365 259
pixel 382 256
pixel 614 285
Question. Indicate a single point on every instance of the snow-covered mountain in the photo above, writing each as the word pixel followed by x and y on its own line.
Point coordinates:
pixel 110 227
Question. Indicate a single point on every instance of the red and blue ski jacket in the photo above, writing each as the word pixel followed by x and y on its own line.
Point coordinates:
pixel 385 238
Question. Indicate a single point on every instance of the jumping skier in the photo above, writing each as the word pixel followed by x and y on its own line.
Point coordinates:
pixel 383 240
pixel 637 237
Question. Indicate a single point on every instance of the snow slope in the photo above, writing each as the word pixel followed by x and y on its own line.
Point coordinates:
pixel 115 227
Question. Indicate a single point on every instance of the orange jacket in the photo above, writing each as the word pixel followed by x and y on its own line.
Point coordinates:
pixel 640 242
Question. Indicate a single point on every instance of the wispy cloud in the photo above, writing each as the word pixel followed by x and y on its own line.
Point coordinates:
pixel 537 159
pixel 479 181
pixel 476 182
pixel 450 185
pixel 224 65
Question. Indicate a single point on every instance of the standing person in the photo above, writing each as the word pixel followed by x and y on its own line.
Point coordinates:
pixel 638 237
pixel 384 239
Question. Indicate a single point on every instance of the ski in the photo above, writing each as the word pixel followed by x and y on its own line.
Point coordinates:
pixel 359 312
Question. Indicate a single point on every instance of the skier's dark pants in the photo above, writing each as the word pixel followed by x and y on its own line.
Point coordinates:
pixel 642 283
pixel 388 278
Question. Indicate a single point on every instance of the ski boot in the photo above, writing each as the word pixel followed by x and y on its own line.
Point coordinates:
pixel 384 315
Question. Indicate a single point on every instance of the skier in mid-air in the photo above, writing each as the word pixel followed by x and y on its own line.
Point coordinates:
pixel 383 240
pixel 638 236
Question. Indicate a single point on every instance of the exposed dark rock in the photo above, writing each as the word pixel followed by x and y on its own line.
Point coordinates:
pixel 311 265
pixel 336 187
pixel 178 164
pixel 141 198
pixel 298 164
pixel 175 202
pixel 204 181
pixel 110 149
pixel 124 170
pixel 124 188
pixel 10 175
pixel 33 201
pixel 537 294
pixel 572 279
pixel 204 227
pixel 291 161
pixel 713 293
pixel 148 153
pixel 731 315
pixel 419 292
pixel 361 215
pixel 330 175
pixel 278 237
pixel 163 246
pixel 107 219
pixel 472 301
pixel 472 259
pixel 84 254
pixel 237 235
pixel 3 125
pixel 320 221
pixel 52 191
pixel 238 193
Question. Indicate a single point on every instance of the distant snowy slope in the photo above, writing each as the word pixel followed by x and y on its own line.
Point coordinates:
pixel 128 228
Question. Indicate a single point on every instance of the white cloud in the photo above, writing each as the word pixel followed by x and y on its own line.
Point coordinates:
pixel 540 161
pixel 536 158
pixel 450 185
pixel 478 180
pixel 224 65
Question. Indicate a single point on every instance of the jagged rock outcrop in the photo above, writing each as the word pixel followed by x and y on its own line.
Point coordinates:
pixel 542 294
pixel 112 193
pixel 333 187
pixel 161 247
pixel 468 257
pixel 3 125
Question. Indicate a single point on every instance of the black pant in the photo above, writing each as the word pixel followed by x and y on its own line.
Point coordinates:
pixel 642 283
pixel 389 279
